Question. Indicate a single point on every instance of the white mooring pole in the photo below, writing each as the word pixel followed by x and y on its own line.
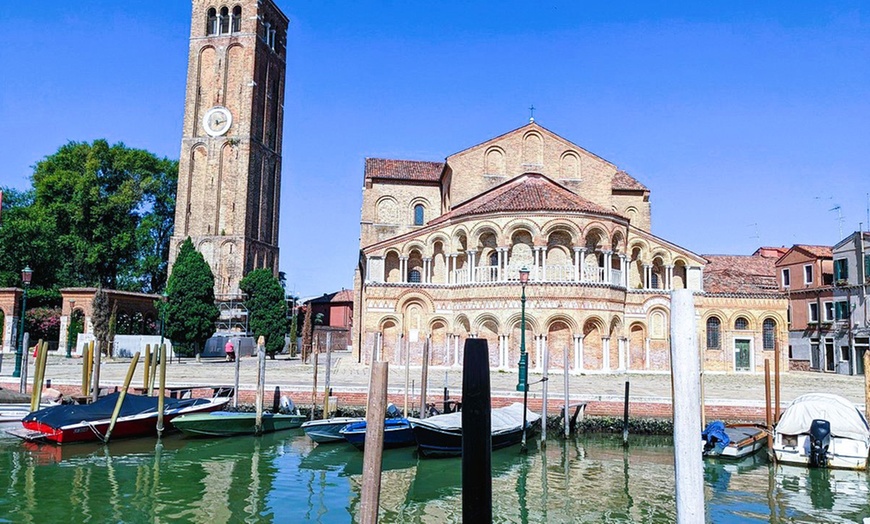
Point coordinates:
pixel 685 371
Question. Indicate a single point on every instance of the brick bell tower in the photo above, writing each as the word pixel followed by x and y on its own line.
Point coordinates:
pixel 229 172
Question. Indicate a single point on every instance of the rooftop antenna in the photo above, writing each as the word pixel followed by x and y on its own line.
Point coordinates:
pixel 532 114
pixel 755 225
pixel 839 211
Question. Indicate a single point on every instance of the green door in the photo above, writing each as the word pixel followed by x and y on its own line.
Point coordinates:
pixel 741 355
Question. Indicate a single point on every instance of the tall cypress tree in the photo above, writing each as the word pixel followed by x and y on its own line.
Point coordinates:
pixel 267 310
pixel 190 309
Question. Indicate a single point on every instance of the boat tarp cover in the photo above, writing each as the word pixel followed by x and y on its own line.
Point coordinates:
pixel 715 432
pixel 102 409
pixel 504 419
pixel 846 421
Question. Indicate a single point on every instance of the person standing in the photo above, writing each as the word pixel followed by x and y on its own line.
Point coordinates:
pixel 230 350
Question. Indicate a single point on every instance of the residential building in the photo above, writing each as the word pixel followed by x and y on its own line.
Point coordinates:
pixel 851 276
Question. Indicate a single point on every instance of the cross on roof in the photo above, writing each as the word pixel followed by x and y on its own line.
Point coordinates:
pixel 531 113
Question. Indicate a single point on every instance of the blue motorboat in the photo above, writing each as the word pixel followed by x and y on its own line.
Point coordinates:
pixel 397 433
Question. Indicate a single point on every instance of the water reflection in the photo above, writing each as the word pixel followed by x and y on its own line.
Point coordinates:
pixel 284 477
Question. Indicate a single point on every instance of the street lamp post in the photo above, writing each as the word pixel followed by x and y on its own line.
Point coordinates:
pixel 69 331
pixel 26 275
pixel 523 384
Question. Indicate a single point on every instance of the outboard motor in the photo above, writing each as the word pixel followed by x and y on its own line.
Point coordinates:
pixel 393 411
pixel 287 405
pixel 820 439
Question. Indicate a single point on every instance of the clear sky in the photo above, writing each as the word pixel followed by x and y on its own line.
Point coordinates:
pixel 749 121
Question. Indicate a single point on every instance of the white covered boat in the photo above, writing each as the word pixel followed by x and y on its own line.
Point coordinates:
pixel 822 430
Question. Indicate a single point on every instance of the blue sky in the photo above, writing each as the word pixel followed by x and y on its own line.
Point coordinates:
pixel 749 121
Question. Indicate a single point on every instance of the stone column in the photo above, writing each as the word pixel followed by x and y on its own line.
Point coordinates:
pixel 403 269
pixel 426 266
pixel 576 264
pixel 605 353
pixel 623 268
pixel 605 267
pixel 621 348
pixel 578 353
pixel 368 277
pixel 646 276
pixel 471 265
pixel 543 264
pixel 669 271
pixel 646 353
pixel 582 264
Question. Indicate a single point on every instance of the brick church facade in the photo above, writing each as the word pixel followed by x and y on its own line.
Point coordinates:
pixel 442 243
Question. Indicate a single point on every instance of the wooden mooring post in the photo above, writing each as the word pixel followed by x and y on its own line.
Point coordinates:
pixel 261 382
pixel 567 399
pixel 22 385
pixel 121 396
pixel 424 379
pixel 98 357
pixel 625 416
pixel 544 395
pixel 768 418
pixel 374 444
pixel 161 391
pixel 476 433
pixel 685 374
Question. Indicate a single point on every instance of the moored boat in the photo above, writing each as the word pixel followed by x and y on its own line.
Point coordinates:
pixel 822 430
pixel 328 430
pixel 397 433
pixel 67 423
pixel 733 441
pixel 441 435
pixel 230 423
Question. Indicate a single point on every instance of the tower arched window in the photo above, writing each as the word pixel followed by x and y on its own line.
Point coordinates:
pixel 418 215
pixel 414 276
pixel 225 20
pixel 713 338
pixel 741 323
pixel 237 19
pixel 768 331
pixel 211 27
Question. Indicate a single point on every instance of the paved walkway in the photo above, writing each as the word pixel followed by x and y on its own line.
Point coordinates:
pixel 745 389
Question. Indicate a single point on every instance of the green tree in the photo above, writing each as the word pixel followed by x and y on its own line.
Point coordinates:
pixel 101 318
pixel 267 309
pixel 91 204
pixel 190 309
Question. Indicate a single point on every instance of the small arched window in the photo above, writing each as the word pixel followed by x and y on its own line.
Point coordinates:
pixel 237 19
pixel 768 330
pixel 225 20
pixel 414 276
pixel 418 215
pixel 713 337
pixel 741 323
pixel 211 27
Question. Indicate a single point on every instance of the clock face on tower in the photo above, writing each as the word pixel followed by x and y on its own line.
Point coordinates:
pixel 217 121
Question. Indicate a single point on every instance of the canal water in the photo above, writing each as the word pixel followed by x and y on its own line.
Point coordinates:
pixel 284 477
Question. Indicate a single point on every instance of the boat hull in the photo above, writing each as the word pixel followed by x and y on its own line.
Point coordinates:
pixel 843 453
pixel 226 423
pixel 137 425
pixel 745 439
pixel 328 430
pixel 397 434
pixel 433 442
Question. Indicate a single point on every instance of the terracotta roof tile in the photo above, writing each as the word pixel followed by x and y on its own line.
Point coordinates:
pixel 403 169
pixel 740 274
pixel 622 180
pixel 817 251
pixel 527 193
pixel 345 295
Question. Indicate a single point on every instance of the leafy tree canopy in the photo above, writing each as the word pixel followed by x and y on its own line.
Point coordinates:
pixel 190 310
pixel 267 310
pixel 97 214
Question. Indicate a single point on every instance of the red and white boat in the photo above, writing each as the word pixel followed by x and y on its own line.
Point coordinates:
pixel 68 423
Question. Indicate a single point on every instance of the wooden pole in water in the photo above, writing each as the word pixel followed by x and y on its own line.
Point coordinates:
pixel 121 397
pixel 36 389
pixel 374 444
pixel 161 395
pixel 685 367
pixel 476 433
pixel 22 384
pixel 152 375
pixel 328 374
pixel 544 395
pixel 867 383
pixel 407 352
pixel 237 359
pixel 98 357
pixel 261 382
pixel 625 417
pixel 42 363
pixel 424 380
pixel 567 423
pixel 146 368
pixel 767 414
pixel 776 384
pixel 314 388
pixel 86 357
